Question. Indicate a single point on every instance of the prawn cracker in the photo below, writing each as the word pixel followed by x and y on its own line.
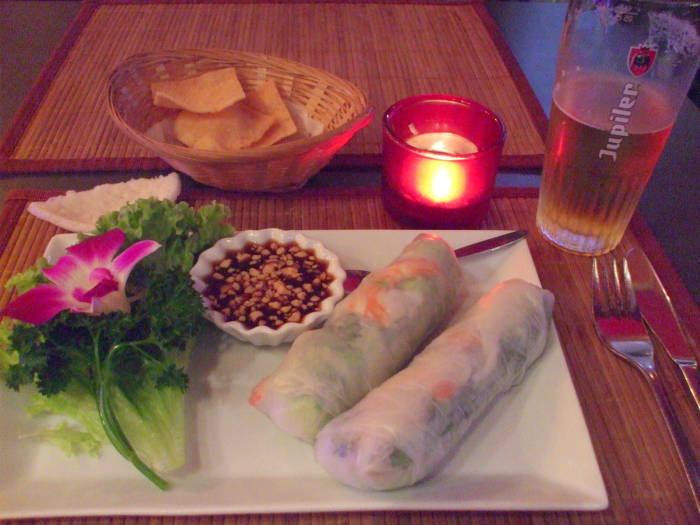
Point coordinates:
pixel 235 127
pixel 209 92
pixel 267 99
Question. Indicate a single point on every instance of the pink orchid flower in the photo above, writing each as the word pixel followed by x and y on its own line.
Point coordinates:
pixel 88 279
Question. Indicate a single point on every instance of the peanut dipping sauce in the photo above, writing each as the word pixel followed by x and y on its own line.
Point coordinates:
pixel 268 284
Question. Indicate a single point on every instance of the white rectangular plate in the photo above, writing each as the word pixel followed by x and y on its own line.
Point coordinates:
pixel 531 451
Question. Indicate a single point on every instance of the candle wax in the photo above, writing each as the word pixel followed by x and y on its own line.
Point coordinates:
pixel 444 142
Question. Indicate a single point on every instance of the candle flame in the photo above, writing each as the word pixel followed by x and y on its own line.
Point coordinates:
pixel 441 182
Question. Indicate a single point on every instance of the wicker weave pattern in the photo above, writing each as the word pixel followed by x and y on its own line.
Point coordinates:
pixel 340 106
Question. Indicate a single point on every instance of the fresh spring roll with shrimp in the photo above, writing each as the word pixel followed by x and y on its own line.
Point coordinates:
pixel 403 430
pixel 370 335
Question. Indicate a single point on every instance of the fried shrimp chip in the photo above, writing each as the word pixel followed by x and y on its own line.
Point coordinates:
pixel 267 99
pixel 209 92
pixel 233 128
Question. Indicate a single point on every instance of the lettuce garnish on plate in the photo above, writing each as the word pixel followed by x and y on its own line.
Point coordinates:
pixel 104 335
pixel 183 231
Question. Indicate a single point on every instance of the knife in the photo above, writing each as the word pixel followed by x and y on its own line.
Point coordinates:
pixel 659 314
pixel 353 277
pixel 491 243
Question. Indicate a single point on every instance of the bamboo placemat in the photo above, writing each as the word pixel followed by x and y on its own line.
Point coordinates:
pixel 390 50
pixel 641 470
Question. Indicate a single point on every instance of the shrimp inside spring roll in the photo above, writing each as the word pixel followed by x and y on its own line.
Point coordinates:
pixel 405 428
pixel 370 335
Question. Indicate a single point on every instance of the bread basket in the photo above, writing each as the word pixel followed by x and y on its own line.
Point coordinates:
pixel 336 104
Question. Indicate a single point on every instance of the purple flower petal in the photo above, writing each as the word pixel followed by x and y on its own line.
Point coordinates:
pixel 125 261
pixel 64 272
pixel 38 305
pixel 98 250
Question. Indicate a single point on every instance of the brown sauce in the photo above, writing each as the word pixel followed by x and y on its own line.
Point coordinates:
pixel 268 284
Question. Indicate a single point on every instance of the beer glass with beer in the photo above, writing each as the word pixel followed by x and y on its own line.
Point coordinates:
pixel 623 71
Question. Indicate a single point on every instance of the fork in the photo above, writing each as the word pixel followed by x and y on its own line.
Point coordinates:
pixel 619 324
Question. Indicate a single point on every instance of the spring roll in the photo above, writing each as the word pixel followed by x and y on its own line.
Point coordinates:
pixel 403 430
pixel 370 335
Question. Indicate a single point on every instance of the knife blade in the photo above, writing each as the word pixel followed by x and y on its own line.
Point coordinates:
pixel 490 244
pixel 661 317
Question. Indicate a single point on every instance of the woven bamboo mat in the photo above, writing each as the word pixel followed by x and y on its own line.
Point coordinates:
pixel 642 473
pixel 390 50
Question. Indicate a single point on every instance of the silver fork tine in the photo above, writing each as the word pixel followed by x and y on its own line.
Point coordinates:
pixel 601 287
pixel 597 300
pixel 621 295
pixel 630 302
pixel 625 302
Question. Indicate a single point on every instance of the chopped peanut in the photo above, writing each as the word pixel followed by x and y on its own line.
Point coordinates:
pixel 268 284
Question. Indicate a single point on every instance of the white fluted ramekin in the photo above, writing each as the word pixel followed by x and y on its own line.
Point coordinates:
pixel 264 335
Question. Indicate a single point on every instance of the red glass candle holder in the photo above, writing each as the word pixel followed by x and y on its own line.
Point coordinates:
pixel 440 159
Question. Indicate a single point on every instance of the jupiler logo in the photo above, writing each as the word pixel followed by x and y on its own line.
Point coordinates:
pixel 640 59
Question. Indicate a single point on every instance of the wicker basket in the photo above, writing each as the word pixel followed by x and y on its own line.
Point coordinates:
pixel 336 103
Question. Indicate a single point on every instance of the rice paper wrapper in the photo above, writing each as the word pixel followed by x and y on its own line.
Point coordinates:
pixel 403 430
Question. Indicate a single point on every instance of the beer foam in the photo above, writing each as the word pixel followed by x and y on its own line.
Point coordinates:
pixel 610 16
pixel 679 35
pixel 666 30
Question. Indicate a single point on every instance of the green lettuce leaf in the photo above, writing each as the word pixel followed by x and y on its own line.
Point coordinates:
pixel 29 278
pixel 184 232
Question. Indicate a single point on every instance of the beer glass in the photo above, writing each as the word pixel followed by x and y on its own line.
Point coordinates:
pixel 623 71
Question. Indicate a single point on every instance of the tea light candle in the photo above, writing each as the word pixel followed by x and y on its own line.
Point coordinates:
pixel 440 160
pixel 445 142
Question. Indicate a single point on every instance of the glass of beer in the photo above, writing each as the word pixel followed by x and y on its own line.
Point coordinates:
pixel 624 69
